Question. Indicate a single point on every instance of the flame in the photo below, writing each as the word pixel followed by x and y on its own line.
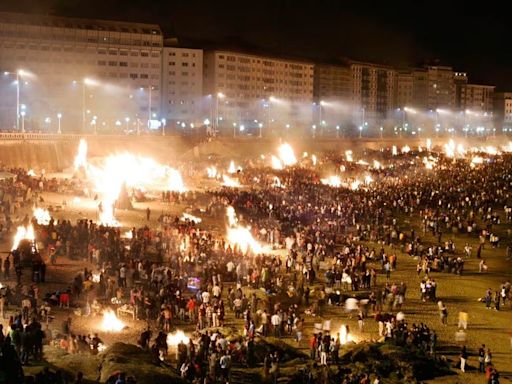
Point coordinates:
pixel 348 156
pixel 175 182
pixel 239 235
pixel 362 162
pixel 31 173
pixel 449 148
pixel 406 149
pixel 229 182
pixel 286 154
pixel 232 168
pixel 313 159
pixel 42 216
pixel 276 163
pixel 345 336
pixel 96 278
pixel 476 160
pixel 304 155
pixel 429 162
pixel 394 151
pixel 110 322
pixel 508 147
pixel 81 157
pixel 187 216
pixel 429 145
pixel 212 172
pixel 377 164
pixel 342 168
pixel 173 339
pixel 128 235
pixel 355 185
pixel 21 234
pixel 333 181
pixel 368 180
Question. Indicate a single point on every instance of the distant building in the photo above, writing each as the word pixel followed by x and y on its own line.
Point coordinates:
pixel 246 86
pixel 332 82
pixel 503 111
pixel 124 57
pixel 404 88
pixel 182 85
pixel 373 90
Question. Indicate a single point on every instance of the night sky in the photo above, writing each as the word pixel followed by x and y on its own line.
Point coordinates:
pixel 472 39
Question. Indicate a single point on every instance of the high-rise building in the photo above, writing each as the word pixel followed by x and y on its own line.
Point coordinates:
pixel 404 88
pixel 441 87
pixel 332 82
pixel 245 87
pixel 123 59
pixel 182 85
pixel 373 90
pixel 503 111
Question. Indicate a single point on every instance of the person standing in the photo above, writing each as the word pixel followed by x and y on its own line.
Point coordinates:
pixel 148 213
pixel 481 356
pixel 463 320
pixel 463 358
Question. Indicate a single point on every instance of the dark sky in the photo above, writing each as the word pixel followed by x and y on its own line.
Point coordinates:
pixel 473 39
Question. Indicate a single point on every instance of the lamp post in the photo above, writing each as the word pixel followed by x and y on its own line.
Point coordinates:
pixel 127 121
pixel 320 121
pixel 164 122
pixel 260 126
pixel 19 74
pixel 22 113
pixel 59 116
pixel 381 132
pixel 218 95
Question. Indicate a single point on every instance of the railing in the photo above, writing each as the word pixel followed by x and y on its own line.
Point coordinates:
pixel 31 136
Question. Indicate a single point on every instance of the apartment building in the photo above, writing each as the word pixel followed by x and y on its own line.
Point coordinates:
pixel 124 59
pixel 404 88
pixel 503 111
pixel 332 82
pixel 182 85
pixel 244 86
pixel 373 90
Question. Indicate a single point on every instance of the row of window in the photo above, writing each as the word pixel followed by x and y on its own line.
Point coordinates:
pixel 183 54
pixel 184 64
pixel 102 63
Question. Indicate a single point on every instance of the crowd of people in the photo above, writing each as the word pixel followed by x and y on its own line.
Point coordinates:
pixel 337 243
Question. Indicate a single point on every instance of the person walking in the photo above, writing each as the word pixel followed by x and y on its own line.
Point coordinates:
pixel 481 356
pixel 443 312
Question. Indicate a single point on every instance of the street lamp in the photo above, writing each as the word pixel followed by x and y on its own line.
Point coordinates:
pixel 381 131
pixel 22 113
pixel 85 82
pixel 164 122
pixel 321 122
pixel 59 116
pixel 219 95
pixel 260 126
pixel 360 131
pixel 150 115
pixel 127 120
pixel 19 74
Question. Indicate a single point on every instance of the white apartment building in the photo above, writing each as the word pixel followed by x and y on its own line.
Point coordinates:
pixel 182 85
pixel 503 111
pixel 124 59
pixel 242 87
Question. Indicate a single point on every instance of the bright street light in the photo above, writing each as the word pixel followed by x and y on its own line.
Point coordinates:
pixel 59 116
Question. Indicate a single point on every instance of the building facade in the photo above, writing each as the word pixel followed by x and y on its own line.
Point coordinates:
pixel 404 88
pixel 503 111
pixel 244 87
pixel 332 82
pixel 182 85
pixel 373 91
pixel 124 59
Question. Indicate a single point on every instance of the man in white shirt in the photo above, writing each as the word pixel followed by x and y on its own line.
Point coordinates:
pixel 216 290
pixel 276 324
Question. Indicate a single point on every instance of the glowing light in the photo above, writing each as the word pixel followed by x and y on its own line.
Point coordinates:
pixel 449 149
pixel 110 322
pixel 175 181
pixel 362 162
pixel 332 181
pixel 277 182
pixel 429 145
pixel 394 151
pixel 406 149
pixel 348 156
pixel 239 235
pixel 212 172
pixel 187 216
pixel 429 162
pixel 476 160
pixel 31 173
pixel 81 157
pixel 287 155
pixel 313 159
pixel 377 164
pixel 276 163
pixel 508 147
pixel 345 336
pixel 96 277
pixel 230 182
pixel 128 235
pixel 23 233
pixel 232 168
pixel 42 216
pixel 173 339
pixel 355 185
pixel 368 180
